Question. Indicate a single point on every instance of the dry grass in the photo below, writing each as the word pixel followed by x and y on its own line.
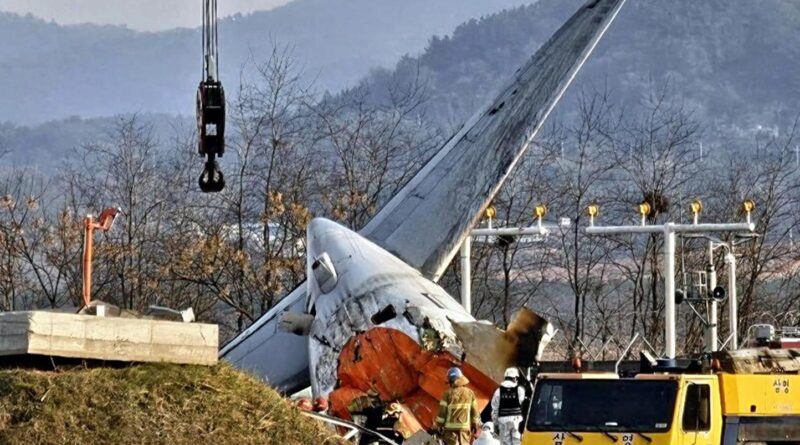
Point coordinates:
pixel 148 404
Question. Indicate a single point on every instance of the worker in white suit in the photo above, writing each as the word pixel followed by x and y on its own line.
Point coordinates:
pixel 486 437
pixel 507 408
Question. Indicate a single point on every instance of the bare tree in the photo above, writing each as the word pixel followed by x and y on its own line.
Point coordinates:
pixel 580 174
pixel 510 271
pixel 656 163
pixel 767 267
pixel 125 170
pixel 372 148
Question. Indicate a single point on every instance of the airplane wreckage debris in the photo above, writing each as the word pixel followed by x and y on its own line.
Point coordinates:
pixel 370 321
pixel 422 333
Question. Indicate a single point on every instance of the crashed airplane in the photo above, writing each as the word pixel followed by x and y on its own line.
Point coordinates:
pixel 370 317
pixel 380 326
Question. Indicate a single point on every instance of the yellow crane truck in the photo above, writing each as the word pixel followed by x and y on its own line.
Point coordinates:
pixel 749 396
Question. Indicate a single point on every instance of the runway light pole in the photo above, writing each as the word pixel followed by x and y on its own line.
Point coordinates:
pixel 540 228
pixel 669 230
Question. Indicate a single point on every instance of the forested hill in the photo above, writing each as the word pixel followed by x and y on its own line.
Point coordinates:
pixel 52 71
pixel 732 61
pixel 735 62
pixel 48 146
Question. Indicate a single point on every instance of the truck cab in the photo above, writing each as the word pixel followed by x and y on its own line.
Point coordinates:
pixel 744 397
pixel 651 409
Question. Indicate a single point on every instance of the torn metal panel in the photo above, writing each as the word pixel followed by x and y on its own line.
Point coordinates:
pixel 294 323
pixel 493 350
pixel 428 219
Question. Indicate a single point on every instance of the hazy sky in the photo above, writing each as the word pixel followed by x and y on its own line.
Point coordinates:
pixel 146 15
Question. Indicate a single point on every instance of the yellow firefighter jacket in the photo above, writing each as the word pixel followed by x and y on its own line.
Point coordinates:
pixel 458 409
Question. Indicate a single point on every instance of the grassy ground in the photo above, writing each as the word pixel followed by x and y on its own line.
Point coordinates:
pixel 148 404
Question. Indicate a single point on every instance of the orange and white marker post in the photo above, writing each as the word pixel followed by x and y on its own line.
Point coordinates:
pixel 104 223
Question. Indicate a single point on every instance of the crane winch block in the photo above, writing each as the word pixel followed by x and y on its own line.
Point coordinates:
pixel 211 105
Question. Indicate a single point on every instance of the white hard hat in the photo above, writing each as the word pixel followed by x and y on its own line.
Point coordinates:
pixel 488 426
pixel 511 373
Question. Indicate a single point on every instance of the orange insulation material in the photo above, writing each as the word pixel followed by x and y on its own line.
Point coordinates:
pixel 393 365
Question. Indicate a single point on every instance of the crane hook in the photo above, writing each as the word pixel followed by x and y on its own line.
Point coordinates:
pixel 211 180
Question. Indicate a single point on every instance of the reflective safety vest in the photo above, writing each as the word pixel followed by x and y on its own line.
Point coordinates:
pixel 458 410
pixel 509 402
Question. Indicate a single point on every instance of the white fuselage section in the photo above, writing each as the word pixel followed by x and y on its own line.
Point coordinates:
pixel 366 287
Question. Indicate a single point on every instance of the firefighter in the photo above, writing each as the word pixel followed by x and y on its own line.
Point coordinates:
pixel 367 411
pixel 389 423
pixel 507 408
pixel 458 421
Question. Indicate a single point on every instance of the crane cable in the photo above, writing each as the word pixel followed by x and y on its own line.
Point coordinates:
pixel 210 41
pixel 211 104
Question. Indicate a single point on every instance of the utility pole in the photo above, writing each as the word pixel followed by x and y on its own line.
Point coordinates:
pixel 712 339
pixel 711 324
pixel 669 230
pixel 466 274
pixel 733 300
